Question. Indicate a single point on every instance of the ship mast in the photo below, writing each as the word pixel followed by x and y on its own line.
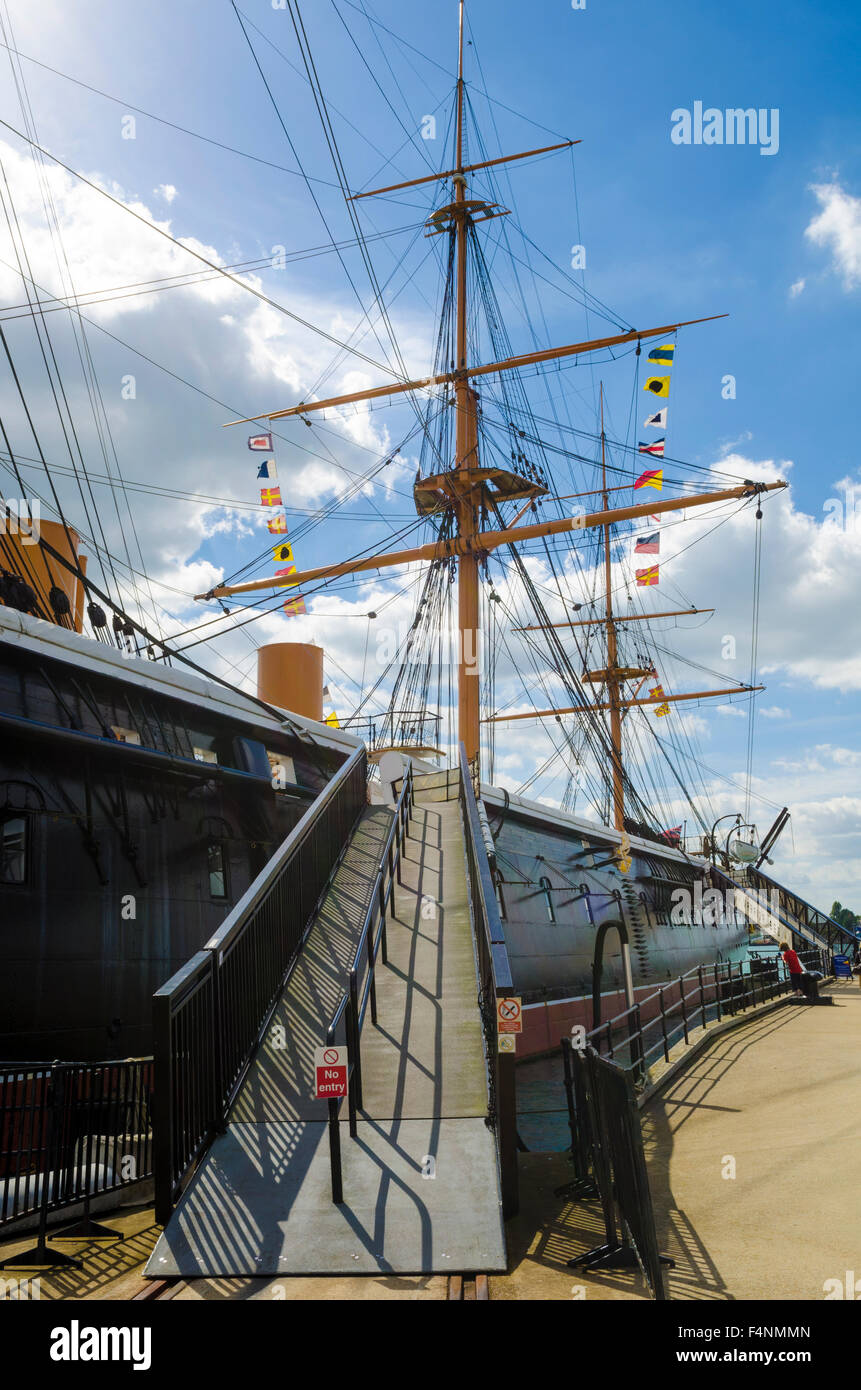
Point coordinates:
pixel 468 487
pixel 466 460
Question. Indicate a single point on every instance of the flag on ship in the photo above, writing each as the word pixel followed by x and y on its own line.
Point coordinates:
pixel 663 356
pixel 653 477
pixel 649 545
pixel 283 553
pixel 261 441
pixel 674 835
pixel 270 497
pixel 657 448
pixel 277 525
pixel 332 720
pixel 267 469
pixel 647 576
pixel 658 421
pixel 658 385
pixel 294 607
pixel 290 569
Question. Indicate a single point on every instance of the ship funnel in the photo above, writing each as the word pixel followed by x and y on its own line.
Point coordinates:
pixel 59 593
pixel 290 675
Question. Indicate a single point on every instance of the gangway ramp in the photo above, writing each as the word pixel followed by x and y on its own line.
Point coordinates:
pixel 421 1191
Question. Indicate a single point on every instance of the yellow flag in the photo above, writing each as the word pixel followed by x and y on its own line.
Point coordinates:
pixel 658 385
pixel 332 721
pixel 283 553
pixel 662 710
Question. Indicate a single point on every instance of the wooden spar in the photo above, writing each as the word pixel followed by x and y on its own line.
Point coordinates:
pixel 465 169
pixel 527 359
pixel 490 540
pixel 631 618
pixel 625 704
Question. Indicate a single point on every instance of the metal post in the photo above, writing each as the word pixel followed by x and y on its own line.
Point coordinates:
pixel 664 1025
pixel 335 1154
pixel 357 1038
pixel 717 994
pixel 731 993
pixel 506 1120
pixel 684 1007
pixel 702 994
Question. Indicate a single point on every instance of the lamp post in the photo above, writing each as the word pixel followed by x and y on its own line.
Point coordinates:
pixel 729 816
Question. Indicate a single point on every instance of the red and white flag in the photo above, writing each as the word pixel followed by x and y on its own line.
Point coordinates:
pixel 260 441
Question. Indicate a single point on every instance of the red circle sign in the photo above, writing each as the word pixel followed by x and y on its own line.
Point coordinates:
pixel 330 1056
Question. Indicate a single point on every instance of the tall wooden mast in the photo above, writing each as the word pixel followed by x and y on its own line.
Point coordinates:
pixel 466 463
pixel 612 672
pixel 468 487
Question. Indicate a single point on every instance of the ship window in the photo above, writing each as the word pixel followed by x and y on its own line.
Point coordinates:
pixel 13 849
pixel 217 865
pixel 282 769
pixel 125 735
pixel 544 885
pixel 205 755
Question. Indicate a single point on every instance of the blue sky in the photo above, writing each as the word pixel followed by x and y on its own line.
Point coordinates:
pixel 670 233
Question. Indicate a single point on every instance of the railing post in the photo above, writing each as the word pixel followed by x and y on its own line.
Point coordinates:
pixel 357 1037
pixel 684 1007
pixel 335 1154
pixel 731 992
pixel 664 1024
pixel 717 994
pixel 702 995
pixel 163 1109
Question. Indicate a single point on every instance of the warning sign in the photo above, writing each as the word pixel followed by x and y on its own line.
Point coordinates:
pixel 506 1042
pixel 509 1015
pixel 330 1073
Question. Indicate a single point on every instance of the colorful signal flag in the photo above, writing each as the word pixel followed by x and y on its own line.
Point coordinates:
pixel 283 553
pixel 270 497
pixel 294 607
pixel 657 448
pixel 658 421
pixel 653 477
pixel 658 385
pixel 649 545
pixel 277 525
pixel 261 441
pixel 647 577
pixel 267 469
pixel 663 356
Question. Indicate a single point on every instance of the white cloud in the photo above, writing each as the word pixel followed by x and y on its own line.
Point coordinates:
pixel 165 191
pixel 773 712
pixel 732 711
pixel 797 288
pixel 838 228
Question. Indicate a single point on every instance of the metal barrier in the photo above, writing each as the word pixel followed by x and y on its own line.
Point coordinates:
pixel 682 1006
pixel 495 981
pixel 605 1109
pixel 353 1005
pixel 770 899
pixel 210 1017
pixel 69 1132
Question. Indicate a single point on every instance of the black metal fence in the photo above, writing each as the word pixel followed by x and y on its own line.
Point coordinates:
pixel 651 1027
pixel 210 1017
pixel 361 988
pixel 606 1134
pixel 495 981
pixel 69 1132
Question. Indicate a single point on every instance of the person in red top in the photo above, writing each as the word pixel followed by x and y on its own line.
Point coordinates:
pixel 795 968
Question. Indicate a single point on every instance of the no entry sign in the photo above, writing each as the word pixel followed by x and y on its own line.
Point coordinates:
pixel 509 1015
pixel 330 1073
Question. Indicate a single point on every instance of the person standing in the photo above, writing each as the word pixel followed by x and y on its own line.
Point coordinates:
pixel 794 966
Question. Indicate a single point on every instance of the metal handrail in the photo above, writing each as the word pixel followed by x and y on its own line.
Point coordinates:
pixel 822 917
pixel 351 1007
pixel 769 985
pixel 495 981
pixel 210 1017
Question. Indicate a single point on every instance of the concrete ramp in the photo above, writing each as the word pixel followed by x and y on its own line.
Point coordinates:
pixel 421 1186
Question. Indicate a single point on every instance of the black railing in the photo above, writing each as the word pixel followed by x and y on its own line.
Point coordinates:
pixel 607 1144
pixel 69 1132
pixel 209 1019
pixel 687 1005
pixel 354 1002
pixel 494 982
pixel 771 900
